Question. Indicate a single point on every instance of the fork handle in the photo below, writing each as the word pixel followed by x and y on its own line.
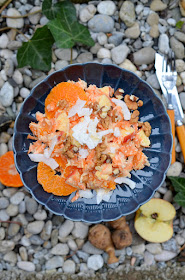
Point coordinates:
pixel 171 115
pixel 181 136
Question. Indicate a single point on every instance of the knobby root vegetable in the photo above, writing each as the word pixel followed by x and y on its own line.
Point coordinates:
pixel 118 224
pixel 100 237
pixel 122 238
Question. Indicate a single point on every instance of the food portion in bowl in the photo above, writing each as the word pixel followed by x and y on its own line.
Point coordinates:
pixel 88 138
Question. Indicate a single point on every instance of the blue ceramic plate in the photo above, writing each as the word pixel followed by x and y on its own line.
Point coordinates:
pixel 124 200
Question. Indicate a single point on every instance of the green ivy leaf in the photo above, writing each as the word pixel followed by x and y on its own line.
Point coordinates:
pixel 179 24
pixel 179 186
pixel 67 33
pixel 37 51
pixel 59 9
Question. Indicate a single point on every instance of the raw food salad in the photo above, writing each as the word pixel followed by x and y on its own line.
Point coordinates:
pixel 89 138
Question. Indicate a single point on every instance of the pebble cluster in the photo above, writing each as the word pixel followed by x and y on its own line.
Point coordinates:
pixel 126 33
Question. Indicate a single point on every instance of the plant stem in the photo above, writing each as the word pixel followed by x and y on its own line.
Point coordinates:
pixel 18 31
pixel 26 15
pixel 11 222
pixel 71 60
pixel 5 5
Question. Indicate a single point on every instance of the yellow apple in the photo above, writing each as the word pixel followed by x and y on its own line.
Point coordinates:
pixel 154 220
pixel 145 142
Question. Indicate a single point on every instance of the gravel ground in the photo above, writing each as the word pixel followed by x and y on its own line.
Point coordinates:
pixel 45 243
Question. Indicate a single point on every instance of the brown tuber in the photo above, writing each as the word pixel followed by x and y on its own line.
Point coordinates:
pixel 122 236
pixel 100 237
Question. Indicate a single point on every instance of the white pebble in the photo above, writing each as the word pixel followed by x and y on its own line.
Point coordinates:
pixel 175 169
pixel 3 41
pixel 6 95
pixel 15 23
pixel 27 266
pixel 3 149
pixel 104 53
pixel 69 267
pixel 95 262
pixel 34 19
pixel 24 92
pixel 17 76
pixel 171 21
pixel 165 256
pixel 66 228
pixel 106 8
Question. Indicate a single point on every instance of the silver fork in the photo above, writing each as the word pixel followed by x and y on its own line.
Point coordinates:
pixel 169 78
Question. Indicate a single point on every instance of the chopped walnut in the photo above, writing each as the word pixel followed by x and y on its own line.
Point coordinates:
pixel 70 154
pixel 105 122
pixel 119 93
pixel 115 116
pixel 134 116
pixel 67 144
pixel 147 128
pixel 132 105
pixel 102 159
pixel 95 106
pixel 62 104
pixel 140 103
pixel 109 159
pixel 134 98
pixel 75 149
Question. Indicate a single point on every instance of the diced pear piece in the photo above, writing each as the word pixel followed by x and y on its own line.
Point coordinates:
pixel 104 101
pixel 145 141
pixel 105 90
pixel 62 122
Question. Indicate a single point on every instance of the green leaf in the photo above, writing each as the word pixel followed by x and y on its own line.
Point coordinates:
pixel 179 24
pixel 178 183
pixel 180 199
pixel 67 33
pixel 59 9
pixel 37 51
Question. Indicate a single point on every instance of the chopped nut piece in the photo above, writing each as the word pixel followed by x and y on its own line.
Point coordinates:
pixel 67 144
pixel 132 105
pixel 109 159
pixel 70 154
pixel 134 98
pixel 115 116
pixel 140 103
pixel 147 128
pixel 135 116
pixel 102 159
pixel 75 149
pixel 105 122
pixel 119 93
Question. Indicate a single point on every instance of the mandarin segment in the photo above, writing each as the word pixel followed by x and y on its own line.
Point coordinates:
pixel 8 172
pixel 65 90
pixel 52 182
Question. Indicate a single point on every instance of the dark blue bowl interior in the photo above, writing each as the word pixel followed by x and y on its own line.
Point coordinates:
pixel 124 200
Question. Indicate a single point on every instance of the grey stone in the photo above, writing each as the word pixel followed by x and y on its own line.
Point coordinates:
pixel 170 245
pixel 180 240
pixel 101 23
pixel 9 67
pixel 54 262
pixel 148 258
pixel 133 32
pixel 10 257
pixel 144 56
pixel 6 246
pixel 35 227
pixel 72 245
pixel 14 45
pixel 119 53
pixel 80 230
pixel 17 198
pixel 65 54
pixel 34 19
pixel 175 169
pixel 153 19
pixel 25 241
pixel 106 61
pixel 69 267
pixel 36 81
pixel 120 252
pixel 4 202
pixel 104 53
pixel 17 76
pixel 6 95
pixel 2 233
pixel 182 99
pixel 31 205
pixel 158 5
pixel 127 13
pixel 7 54
pixel 12 210
pixel 154 31
pixel 36 240
pixel 87 13
pixel 90 249
pixel 4 40
pixel 153 81
pixel 46 232
pixel 164 43
pixel 66 228
pixel 23 253
pixel 177 47
pixel 138 249
pixel 168 196
pixel 27 266
pixel 165 256
pixel 116 38
pixel 82 255
pixel 95 262
pixel 85 57
pixel 60 249
pixel 4 216
pixel 102 38
pixel 106 8
pixel 15 23
pixel 24 92
pixel 60 64
pixel 13 229
pixel 83 267
pixel 95 48
pixel 180 65
pixel 154 248
pixel 40 215
pixel 180 36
